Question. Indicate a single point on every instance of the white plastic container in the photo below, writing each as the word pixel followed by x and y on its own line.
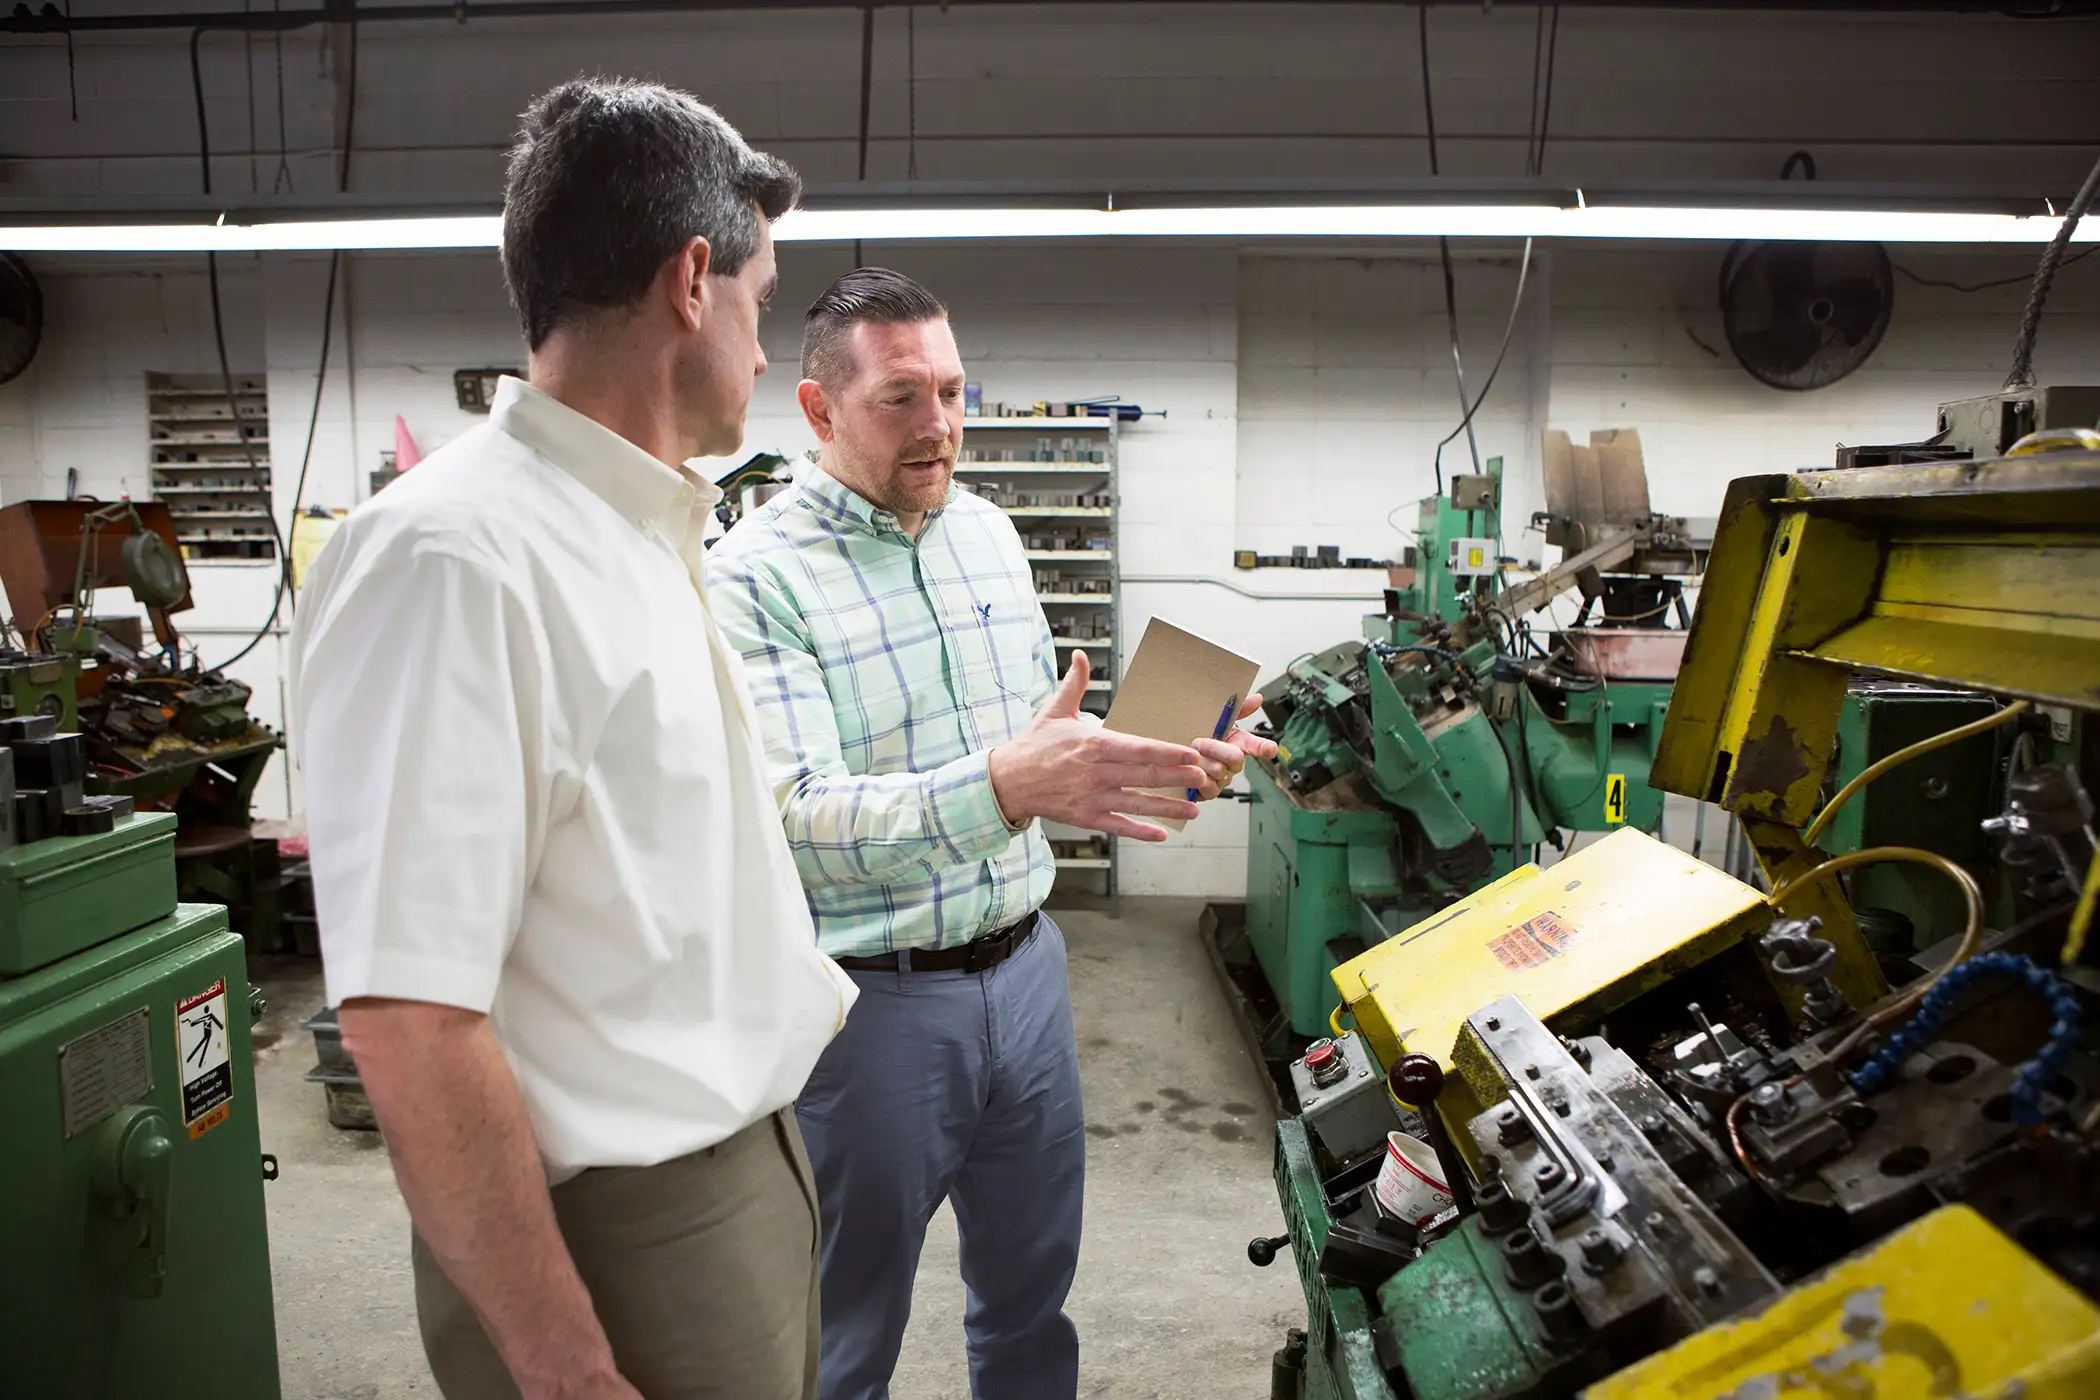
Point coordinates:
pixel 1410 1181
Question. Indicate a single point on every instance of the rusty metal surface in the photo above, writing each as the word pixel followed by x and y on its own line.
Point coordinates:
pixel 1627 653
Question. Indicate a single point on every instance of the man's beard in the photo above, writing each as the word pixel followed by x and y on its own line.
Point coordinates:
pixel 917 497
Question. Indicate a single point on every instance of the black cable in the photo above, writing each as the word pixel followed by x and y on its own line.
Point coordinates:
pixel 1516 795
pixel 1535 163
pixel 1994 282
pixel 1538 63
pixel 1443 246
pixel 282 180
pixel 2022 375
pixel 867 86
pixel 1516 303
pixel 911 91
pixel 287 586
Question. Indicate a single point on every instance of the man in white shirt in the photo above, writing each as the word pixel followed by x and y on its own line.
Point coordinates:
pixel 570 946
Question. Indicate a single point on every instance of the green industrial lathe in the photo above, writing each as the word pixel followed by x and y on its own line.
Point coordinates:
pixel 1434 755
pixel 132 1221
pixel 1834 1136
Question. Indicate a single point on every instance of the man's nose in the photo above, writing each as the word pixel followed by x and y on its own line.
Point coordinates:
pixel 931 422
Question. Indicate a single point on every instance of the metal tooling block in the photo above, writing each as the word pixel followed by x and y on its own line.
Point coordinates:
pixel 1343 1099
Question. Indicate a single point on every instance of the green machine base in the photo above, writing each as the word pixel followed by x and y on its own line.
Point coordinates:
pixel 1328 875
pixel 131 1211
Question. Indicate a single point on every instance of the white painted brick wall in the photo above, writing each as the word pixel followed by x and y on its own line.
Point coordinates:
pixel 1304 393
pixel 1303 397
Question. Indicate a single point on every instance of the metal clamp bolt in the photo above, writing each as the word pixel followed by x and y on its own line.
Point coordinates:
pixel 1601 1251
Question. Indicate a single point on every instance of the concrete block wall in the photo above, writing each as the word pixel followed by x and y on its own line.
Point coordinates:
pixel 1304 395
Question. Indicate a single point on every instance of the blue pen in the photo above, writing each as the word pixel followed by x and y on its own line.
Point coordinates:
pixel 1225 718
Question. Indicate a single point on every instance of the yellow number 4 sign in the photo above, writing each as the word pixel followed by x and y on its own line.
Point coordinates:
pixel 1614 799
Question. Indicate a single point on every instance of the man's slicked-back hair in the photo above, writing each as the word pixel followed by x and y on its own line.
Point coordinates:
pixel 865 296
pixel 610 177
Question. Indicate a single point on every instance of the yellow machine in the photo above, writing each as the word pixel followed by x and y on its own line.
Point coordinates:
pixel 1716 1142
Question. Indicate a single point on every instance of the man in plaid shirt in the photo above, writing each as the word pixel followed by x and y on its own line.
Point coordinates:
pixel 916 730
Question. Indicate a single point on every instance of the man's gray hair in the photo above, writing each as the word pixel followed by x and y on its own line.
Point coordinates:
pixel 610 177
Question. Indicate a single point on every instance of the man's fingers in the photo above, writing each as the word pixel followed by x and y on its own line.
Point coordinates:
pixel 1249 705
pixel 1110 747
pixel 1253 745
pixel 1221 753
pixel 1146 804
pixel 1146 775
pixel 1070 691
pixel 1116 825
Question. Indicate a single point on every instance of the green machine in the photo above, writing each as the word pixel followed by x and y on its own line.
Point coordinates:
pixel 1437 753
pixel 132 1217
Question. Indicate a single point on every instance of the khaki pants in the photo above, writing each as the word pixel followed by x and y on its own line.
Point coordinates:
pixel 703 1271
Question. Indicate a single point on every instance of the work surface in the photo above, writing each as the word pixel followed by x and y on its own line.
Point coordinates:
pixel 1177 1182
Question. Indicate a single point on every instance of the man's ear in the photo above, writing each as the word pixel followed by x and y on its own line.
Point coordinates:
pixel 816 407
pixel 684 279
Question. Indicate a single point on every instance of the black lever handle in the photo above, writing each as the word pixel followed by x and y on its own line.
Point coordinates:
pixel 1262 1253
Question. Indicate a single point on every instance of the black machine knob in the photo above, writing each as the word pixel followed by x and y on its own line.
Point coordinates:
pixel 1416 1080
pixel 1261 1253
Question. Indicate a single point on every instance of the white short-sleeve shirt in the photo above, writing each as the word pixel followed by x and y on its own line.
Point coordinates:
pixel 534 788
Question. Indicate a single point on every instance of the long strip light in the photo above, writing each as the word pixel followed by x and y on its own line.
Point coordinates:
pixel 1253 222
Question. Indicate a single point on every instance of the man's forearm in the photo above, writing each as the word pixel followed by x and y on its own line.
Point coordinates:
pixel 860 830
pixel 465 1158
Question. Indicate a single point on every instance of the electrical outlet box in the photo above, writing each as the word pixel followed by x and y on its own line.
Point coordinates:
pixel 1471 557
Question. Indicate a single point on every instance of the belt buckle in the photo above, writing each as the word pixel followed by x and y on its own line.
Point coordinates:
pixel 982 953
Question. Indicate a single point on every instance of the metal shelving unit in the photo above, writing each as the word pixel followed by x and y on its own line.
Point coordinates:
pixel 1057 478
pixel 210 461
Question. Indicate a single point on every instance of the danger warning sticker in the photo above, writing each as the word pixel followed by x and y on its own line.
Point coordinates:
pixel 203 1056
pixel 1535 941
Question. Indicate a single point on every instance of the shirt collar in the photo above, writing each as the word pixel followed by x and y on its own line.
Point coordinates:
pixel 647 493
pixel 841 503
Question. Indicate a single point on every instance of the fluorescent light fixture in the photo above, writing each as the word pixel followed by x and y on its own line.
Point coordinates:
pixel 903 225
pixel 353 235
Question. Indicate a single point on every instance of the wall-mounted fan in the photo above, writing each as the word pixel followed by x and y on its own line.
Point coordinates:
pixel 21 316
pixel 1803 315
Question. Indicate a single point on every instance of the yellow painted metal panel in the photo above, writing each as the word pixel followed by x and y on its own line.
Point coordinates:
pixel 2042 575
pixel 1575 942
pixel 2063 670
pixel 1946 1306
pixel 1714 655
pixel 1781 721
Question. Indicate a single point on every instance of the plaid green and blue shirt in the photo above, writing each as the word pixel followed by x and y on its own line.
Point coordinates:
pixel 884 669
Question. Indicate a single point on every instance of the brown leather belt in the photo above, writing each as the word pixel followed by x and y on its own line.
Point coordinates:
pixel 974 956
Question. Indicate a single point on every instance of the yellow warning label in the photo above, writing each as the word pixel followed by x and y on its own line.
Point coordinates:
pixel 1476 557
pixel 1614 799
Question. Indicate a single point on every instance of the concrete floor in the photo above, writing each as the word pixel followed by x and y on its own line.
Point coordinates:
pixel 1177 1182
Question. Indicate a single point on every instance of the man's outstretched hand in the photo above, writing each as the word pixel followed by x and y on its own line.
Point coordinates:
pixel 1224 758
pixel 1063 769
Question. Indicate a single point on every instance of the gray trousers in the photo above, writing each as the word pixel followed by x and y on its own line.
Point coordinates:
pixel 963 1087
pixel 702 1270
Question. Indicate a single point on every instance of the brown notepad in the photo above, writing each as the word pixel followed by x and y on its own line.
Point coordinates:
pixel 1177 688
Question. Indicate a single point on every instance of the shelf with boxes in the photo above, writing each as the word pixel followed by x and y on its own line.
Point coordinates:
pixel 208 457
pixel 1056 479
